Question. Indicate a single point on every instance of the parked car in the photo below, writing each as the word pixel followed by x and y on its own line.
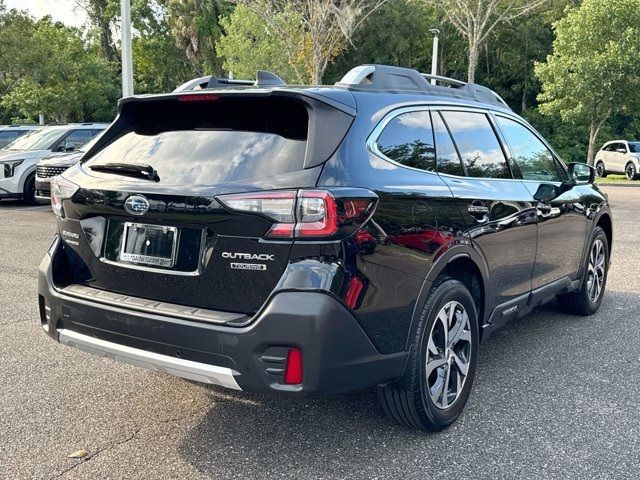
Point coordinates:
pixel 8 133
pixel 311 240
pixel 55 164
pixel 20 157
pixel 619 156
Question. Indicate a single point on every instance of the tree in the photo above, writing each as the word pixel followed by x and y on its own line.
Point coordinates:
pixel 101 14
pixel 328 26
pixel 594 71
pixel 195 26
pixel 476 19
pixel 249 45
pixel 51 72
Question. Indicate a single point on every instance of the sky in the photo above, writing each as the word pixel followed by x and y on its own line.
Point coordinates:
pixel 66 11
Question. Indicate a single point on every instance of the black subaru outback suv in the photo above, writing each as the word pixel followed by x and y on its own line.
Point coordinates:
pixel 316 240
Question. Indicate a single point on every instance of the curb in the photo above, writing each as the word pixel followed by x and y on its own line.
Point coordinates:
pixel 628 185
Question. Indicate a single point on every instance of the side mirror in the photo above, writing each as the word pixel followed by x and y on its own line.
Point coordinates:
pixel 581 173
pixel 621 150
pixel 546 192
pixel 69 146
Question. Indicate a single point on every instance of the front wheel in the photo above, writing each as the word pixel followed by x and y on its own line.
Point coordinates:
pixel 600 170
pixel 442 362
pixel 587 299
pixel 631 172
pixel 29 192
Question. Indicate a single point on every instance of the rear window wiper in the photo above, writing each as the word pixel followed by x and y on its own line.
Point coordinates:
pixel 146 172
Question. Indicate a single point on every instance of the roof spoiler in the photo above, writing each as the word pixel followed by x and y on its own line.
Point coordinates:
pixel 263 79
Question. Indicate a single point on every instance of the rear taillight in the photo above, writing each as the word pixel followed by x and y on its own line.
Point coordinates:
pixel 61 189
pixel 305 214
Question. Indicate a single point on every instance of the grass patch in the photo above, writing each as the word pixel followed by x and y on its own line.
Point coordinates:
pixel 616 179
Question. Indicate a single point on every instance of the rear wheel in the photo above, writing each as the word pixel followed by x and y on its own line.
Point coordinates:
pixel 630 171
pixel 442 362
pixel 29 192
pixel 587 299
pixel 600 171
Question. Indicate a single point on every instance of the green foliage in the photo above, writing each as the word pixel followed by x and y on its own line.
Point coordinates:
pixel 48 70
pixel 248 45
pixel 594 71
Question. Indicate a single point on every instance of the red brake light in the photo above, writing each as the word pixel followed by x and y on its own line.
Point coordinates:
pixel 317 214
pixel 293 367
pixel 306 213
pixel 198 97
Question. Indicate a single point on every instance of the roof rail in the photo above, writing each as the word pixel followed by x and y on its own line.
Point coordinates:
pixel 263 79
pixel 390 78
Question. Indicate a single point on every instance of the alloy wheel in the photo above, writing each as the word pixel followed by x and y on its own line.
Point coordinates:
pixel 596 270
pixel 630 171
pixel 600 169
pixel 448 355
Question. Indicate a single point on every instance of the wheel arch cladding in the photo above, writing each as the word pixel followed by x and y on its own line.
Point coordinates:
pixel 605 223
pixel 461 266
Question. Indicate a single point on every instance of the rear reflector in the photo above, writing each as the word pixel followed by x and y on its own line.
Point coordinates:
pixel 293 368
pixel 354 289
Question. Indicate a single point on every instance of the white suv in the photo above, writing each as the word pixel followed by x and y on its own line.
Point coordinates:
pixel 19 158
pixel 619 156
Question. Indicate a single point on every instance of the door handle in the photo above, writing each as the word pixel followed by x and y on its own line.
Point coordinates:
pixel 478 210
pixel 544 208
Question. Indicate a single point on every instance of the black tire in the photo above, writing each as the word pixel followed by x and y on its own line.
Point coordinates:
pixel 600 170
pixel 407 401
pixel 630 171
pixel 29 192
pixel 582 301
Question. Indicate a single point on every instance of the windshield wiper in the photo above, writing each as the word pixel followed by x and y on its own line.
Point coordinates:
pixel 146 172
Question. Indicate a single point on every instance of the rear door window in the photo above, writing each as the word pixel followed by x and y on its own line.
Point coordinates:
pixel 478 145
pixel 408 140
pixel 534 160
pixel 446 155
pixel 204 143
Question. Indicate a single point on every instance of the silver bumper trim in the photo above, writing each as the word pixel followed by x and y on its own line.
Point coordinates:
pixel 199 372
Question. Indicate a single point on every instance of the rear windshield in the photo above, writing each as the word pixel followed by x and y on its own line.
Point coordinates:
pixel 201 143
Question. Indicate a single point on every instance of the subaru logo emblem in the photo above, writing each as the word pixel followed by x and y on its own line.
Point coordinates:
pixel 136 205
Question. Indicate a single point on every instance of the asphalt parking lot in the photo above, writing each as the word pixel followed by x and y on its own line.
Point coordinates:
pixel 555 397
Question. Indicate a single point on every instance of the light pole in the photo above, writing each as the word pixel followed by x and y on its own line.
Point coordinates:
pixel 127 62
pixel 434 55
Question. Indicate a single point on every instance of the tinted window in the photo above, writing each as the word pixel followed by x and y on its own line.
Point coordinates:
pixel 634 147
pixel 477 143
pixel 533 158
pixel 408 139
pixel 43 139
pixel 78 137
pixel 446 154
pixel 9 135
pixel 209 142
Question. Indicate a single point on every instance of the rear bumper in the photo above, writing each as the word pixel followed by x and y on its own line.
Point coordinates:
pixel 337 354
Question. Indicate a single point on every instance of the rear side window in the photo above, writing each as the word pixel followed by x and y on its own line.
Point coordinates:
pixel 8 135
pixel 478 145
pixel 446 155
pixel 408 140
pixel 533 158
pixel 204 143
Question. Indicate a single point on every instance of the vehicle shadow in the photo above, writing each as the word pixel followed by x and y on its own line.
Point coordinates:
pixel 348 436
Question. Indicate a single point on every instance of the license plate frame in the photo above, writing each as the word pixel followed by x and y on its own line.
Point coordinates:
pixel 129 254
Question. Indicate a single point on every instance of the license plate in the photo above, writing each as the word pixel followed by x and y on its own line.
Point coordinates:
pixel 153 245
